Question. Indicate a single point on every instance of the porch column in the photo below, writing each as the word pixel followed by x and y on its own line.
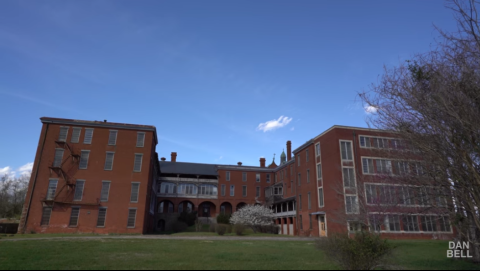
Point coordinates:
pixel 281 226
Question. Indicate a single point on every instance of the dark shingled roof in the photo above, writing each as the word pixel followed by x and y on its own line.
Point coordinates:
pixel 188 168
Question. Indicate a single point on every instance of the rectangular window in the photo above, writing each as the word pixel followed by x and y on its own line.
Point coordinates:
pixel 112 139
pixel 300 202
pixel 132 216
pixel 375 223
pixel 109 161
pixel 306 154
pixel 299 179
pixel 402 168
pixel 244 176
pixel 423 196
pixel 76 134
pixel 258 178
pixel 317 150
pixel 348 177
pixel 346 150
pixel 320 197
pixel 406 196
pixel 74 217
pixel 429 224
pixel 384 166
pixel 105 191
pixel 135 192
pixel 258 191
pixel 309 201
pixel 380 143
pixel 244 191
pixel 352 206
pixel 228 176
pixel 52 189
pixel 79 186
pixel 301 222
pixel 365 142
pixel 319 171
pixel 371 193
pixel 62 137
pixel 444 224
pixel 57 162
pixel 368 166
pixel 140 140
pixel 88 136
pixel 47 213
pixel 311 222
pixel 393 223
pixel 298 158
pixel 137 166
pixel 224 188
pixel 268 178
pixel 308 175
pixel 232 191
pixel 84 159
pixel 410 223
pixel 102 216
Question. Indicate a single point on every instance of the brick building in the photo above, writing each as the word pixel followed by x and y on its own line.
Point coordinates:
pixel 106 178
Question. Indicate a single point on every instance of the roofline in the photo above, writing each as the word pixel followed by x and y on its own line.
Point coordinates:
pixel 125 126
pixel 245 168
pixel 350 128
pixel 306 144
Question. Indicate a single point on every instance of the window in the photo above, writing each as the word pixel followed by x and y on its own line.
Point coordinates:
pixel 380 143
pixel 348 177
pixel 418 169
pixel 135 192
pixel 423 196
pixel 444 224
pixel 183 189
pixel 393 223
pixel 224 188
pixel 74 217
pixel 63 134
pixel 222 209
pixel 132 215
pixel 311 222
pixel 365 142
pixel 232 191
pixel 346 150
pixel 351 202
pixel 406 196
pixel 354 227
pixel 244 176
pixel 308 175
pixel 208 190
pixel 429 223
pixel 109 161
pixel 140 140
pixel 306 154
pixel 319 171
pixel 258 178
pixel 441 197
pixel 84 159
pixel 79 186
pixel 168 188
pixel 52 189
pixel 375 223
pixel 112 139
pixel 268 177
pixel 410 223
pixel 371 192
pixel 402 168
pixel 301 222
pixel 309 201
pixel 47 213
pixel 228 176
pixel 105 191
pixel 76 134
pixel 368 166
pixel 384 166
pixel 300 202
pixel 137 166
pixel 244 193
pixel 258 192
pixel 57 162
pixel 320 197
pixel 299 179
pixel 298 158
pixel 317 150
pixel 170 208
pixel 88 136
pixel 102 216
pixel 180 208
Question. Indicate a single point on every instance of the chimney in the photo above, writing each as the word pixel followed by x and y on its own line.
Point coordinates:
pixel 164 159
pixel 239 163
pixel 289 150
pixel 262 162
pixel 174 157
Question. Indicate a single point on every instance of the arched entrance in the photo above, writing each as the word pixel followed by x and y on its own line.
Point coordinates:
pixel 186 207
pixel 241 205
pixel 166 207
pixel 226 208
pixel 207 209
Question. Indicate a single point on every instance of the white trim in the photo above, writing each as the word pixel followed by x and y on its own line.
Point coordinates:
pixel 320 153
pixel 131 192
pixel 351 150
pixel 79 134
pixel 85 137
pixel 258 177
pixel 106 157
pixel 116 136
pixel 98 216
pixel 83 190
pixel 356 202
pixel 134 162
pixel 352 128
pixel 135 220
pixel 244 195
pixel 87 151
pixel 78 217
pixel 108 192
pixel 66 135
pixel 143 141
pixel 354 177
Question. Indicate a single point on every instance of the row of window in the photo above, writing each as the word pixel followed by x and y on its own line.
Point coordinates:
pixel 244 177
pixel 387 166
pixel 80 187
pixel 85 155
pixel 101 220
pixel 204 189
pixel 410 223
pixel 382 143
pixel 405 195
pixel 112 138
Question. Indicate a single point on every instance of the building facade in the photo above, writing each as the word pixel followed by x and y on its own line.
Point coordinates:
pixel 106 178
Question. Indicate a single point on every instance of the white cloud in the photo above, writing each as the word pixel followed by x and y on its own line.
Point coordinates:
pixel 370 109
pixel 7 171
pixel 25 169
pixel 274 124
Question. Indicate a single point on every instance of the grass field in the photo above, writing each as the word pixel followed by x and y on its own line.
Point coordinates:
pixel 218 255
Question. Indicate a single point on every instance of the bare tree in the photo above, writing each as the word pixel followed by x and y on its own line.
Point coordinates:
pixel 12 195
pixel 432 102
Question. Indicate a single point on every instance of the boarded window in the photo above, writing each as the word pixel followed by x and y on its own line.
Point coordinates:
pixel 74 217
pixel 79 186
pixel 57 162
pixel 109 161
pixel 76 135
pixel 112 139
pixel 84 159
pixel 102 216
pixel 88 136
pixel 132 215
pixel 52 189
pixel 105 191
pixel 63 134
pixel 135 191
pixel 47 213
pixel 138 163
pixel 140 140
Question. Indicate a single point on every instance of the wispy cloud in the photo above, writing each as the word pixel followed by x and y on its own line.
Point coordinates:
pixel 11 173
pixel 8 171
pixel 274 124
pixel 370 109
pixel 25 169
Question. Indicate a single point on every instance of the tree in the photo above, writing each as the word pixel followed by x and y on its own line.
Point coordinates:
pixel 12 195
pixel 254 216
pixel 432 103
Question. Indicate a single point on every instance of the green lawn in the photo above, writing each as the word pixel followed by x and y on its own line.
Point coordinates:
pixel 218 255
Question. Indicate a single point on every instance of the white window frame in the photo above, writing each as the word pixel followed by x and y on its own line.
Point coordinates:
pixel 51 195
pixel 258 178
pixel 85 138
pixel 321 198
pixel 135 162
pixel 66 134
pixel 232 190
pixel 368 165
pixel 353 174
pixel 98 216
pixel 106 157
pixel 88 157
pixel 76 187
pixel 318 150
pixel 138 192
pixel 79 129
pixel 42 224
pixel 55 157
pixel 108 191
pixel 71 216
pixel 109 137
pixel 244 191
pixel 319 173
pixel 351 150
pixel 143 141
pixel 227 176
pixel 356 211
pixel 258 192
pixel 135 219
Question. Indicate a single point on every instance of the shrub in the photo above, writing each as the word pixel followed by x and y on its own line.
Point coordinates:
pixel 188 218
pixel 229 229
pixel 179 227
pixel 272 229
pixel 364 251
pixel 212 228
pixel 221 229
pixel 223 219
pixel 239 229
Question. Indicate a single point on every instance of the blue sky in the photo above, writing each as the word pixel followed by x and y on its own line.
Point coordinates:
pixel 207 74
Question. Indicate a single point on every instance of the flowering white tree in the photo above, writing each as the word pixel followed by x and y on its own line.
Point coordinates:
pixel 254 216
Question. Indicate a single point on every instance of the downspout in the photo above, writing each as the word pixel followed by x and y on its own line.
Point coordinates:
pixel 35 180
